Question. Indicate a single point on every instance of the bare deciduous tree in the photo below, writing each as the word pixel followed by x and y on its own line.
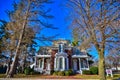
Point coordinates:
pixel 113 58
pixel 99 22
pixel 26 13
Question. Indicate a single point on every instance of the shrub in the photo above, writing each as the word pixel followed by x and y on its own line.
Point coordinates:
pixel 70 71
pixel 67 73
pixel 61 73
pixel 52 72
pixel 55 73
pixel 27 71
pixel 19 69
pixel 94 70
pixel 30 71
pixel 86 72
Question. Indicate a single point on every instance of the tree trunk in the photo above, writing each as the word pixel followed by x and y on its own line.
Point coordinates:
pixel 14 63
pixel 9 63
pixel 13 67
pixel 101 66
pixel 8 68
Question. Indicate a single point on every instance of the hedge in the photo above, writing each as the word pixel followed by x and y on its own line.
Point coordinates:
pixel 94 70
pixel 63 73
pixel 67 73
pixel 27 71
pixel 86 72
pixel 55 73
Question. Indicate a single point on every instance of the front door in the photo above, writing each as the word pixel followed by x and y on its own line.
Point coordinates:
pixel 75 65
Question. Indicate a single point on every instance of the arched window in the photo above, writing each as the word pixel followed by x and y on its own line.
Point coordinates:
pixel 61 63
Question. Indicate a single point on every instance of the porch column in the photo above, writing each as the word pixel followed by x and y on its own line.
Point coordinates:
pixel 57 61
pixel 43 63
pixel 35 60
pixel 87 64
pixel 67 63
pixel 55 64
pixel 63 63
pixel 80 66
pixel 48 64
pixel 39 63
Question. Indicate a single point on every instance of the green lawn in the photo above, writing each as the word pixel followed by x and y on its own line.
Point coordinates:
pixel 116 76
pixel 78 76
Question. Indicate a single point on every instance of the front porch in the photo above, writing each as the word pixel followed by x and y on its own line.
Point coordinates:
pixel 61 62
pixel 80 63
pixel 42 64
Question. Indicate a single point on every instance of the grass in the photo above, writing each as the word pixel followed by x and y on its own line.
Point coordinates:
pixel 77 76
pixel 87 76
pixel 2 75
pixel 116 76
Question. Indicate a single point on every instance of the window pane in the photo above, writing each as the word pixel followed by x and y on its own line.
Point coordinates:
pixel 59 47
pixel 61 62
pixel 40 63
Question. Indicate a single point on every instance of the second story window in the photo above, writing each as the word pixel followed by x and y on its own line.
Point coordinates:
pixel 60 48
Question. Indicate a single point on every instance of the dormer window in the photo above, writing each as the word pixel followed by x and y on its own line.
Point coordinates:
pixel 61 47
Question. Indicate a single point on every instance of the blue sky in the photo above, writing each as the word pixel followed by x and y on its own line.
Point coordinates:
pixel 60 19
pixel 5 5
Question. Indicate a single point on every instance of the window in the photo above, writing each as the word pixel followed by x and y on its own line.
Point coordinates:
pixel 40 63
pixel 61 63
pixel 75 66
pixel 84 63
pixel 61 48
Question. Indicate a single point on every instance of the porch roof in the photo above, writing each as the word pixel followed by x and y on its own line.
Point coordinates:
pixel 80 56
pixel 43 55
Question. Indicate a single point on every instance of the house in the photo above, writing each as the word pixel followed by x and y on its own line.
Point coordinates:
pixel 61 56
